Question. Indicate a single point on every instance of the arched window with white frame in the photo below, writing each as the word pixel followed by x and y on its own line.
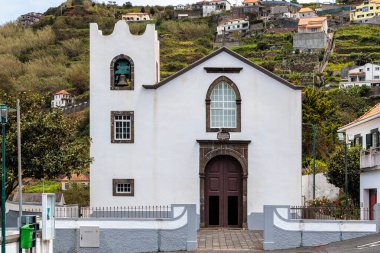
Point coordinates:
pixel 223 106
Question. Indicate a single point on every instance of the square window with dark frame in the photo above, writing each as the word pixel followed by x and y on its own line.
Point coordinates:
pixel 122 127
pixel 123 187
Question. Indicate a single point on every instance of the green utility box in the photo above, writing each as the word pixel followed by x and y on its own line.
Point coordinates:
pixel 26 236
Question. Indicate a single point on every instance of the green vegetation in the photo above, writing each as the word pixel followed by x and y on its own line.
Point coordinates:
pixel 336 173
pixel 77 195
pixel 52 146
pixel 54 55
pixel 43 186
pixel 354 45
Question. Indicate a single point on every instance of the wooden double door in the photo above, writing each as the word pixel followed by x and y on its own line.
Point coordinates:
pixel 223 193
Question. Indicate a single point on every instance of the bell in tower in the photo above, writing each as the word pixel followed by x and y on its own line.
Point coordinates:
pixel 122 73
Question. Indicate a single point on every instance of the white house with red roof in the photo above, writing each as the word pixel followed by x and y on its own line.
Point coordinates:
pixel 62 99
pixel 223 133
pixel 366 75
pixel 364 131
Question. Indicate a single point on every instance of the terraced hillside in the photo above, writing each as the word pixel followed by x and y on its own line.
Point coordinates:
pixel 275 53
pixel 354 45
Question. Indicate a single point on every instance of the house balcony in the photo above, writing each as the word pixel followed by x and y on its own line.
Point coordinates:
pixel 370 159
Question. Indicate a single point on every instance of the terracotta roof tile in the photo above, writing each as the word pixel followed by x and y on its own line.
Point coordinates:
pixel 307 9
pixel 372 112
pixel 62 92
pixel 250 1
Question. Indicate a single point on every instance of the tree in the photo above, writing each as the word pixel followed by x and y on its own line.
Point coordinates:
pixel 127 5
pixel 152 11
pixel 50 144
pixel 142 10
pixel 336 171
pixel 319 109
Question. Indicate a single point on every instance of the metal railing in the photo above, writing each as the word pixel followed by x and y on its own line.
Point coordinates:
pixel 331 213
pixel 134 212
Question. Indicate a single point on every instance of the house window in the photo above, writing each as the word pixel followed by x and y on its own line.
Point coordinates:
pixel 314 29
pixel 358 140
pixel 367 69
pixel 376 77
pixel 122 73
pixel 66 186
pixel 223 106
pixel 122 129
pixel 123 187
pixel 360 70
pixel 372 139
pixel 377 68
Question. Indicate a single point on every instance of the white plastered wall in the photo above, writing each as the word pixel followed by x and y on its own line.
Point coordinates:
pixel 371 179
pixel 164 158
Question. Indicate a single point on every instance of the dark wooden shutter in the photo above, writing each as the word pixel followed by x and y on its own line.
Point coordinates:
pixel 361 141
pixel 368 140
pixel 377 138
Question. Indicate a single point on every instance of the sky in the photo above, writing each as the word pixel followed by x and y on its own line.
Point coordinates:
pixel 11 10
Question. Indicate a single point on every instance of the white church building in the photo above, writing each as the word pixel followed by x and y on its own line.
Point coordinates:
pixel 223 133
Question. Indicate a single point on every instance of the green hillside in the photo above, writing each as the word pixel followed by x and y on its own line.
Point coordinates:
pixel 54 55
pixel 354 45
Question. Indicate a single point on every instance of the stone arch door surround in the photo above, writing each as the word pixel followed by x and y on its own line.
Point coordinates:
pixel 208 149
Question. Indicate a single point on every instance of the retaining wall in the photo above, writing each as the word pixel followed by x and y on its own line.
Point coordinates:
pixel 281 232
pixel 131 235
pixel 317 40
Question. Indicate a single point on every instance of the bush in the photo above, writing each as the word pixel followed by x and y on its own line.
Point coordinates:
pixel 269 65
pixel 262 46
pixel 173 66
pixel 43 186
pixel 77 195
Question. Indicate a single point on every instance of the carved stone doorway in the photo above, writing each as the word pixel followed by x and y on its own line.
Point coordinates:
pixel 236 150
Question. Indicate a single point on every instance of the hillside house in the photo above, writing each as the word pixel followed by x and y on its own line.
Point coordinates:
pixel 135 17
pixel 364 132
pixel 306 13
pixel 30 18
pixel 279 12
pixel 80 180
pixel 179 7
pixel 251 2
pixel 62 99
pixel 312 34
pixel 215 134
pixel 365 11
pixel 210 7
pixel 247 12
pixel 366 75
pixel 232 25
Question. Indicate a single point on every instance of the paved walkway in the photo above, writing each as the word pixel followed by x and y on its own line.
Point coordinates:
pixel 230 239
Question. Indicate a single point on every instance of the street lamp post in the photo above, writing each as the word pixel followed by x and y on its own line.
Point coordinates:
pixel 3 121
pixel 314 152
pixel 344 137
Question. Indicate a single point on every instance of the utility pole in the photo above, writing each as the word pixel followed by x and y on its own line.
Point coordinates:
pixel 19 162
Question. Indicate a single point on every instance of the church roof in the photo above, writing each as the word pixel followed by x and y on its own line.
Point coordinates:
pixel 232 53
